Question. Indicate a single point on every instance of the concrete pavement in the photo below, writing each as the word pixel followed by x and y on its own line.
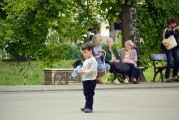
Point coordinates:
pixel 78 87
pixel 118 104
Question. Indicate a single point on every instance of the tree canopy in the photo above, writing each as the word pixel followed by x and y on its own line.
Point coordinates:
pixel 25 25
pixel 152 17
pixel 28 23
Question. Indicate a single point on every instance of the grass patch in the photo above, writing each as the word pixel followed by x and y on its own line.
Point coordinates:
pixel 20 73
pixel 26 73
pixel 31 73
pixel 149 73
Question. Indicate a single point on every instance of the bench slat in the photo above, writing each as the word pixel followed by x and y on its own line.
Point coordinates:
pixel 158 57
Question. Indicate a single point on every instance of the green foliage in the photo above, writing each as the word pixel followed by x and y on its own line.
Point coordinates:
pixel 110 10
pixel 74 52
pixel 60 52
pixel 32 27
pixel 29 23
pixel 109 77
pixel 53 54
pixel 2 17
pixel 152 19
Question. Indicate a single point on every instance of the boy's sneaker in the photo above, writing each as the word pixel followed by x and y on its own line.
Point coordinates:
pixel 116 81
pixel 126 81
pixel 83 109
pixel 87 110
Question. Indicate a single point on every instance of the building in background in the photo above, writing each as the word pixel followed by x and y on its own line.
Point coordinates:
pixel 106 31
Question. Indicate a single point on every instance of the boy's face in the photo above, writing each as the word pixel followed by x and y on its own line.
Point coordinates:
pixel 87 53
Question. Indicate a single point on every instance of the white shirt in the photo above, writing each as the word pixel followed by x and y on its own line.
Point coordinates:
pixel 91 69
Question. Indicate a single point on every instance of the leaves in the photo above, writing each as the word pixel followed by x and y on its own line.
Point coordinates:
pixel 29 24
pixel 152 18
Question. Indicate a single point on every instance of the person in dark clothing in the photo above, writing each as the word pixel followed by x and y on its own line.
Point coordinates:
pixel 172 54
pixel 112 57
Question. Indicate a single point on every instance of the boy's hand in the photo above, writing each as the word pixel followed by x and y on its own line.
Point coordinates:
pixel 83 70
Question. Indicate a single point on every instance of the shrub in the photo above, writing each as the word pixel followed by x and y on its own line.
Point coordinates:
pixel 74 52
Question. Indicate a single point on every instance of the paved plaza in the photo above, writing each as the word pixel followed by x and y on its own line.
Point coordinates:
pixel 117 104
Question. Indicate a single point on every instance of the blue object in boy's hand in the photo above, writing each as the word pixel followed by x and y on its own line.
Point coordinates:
pixel 78 68
pixel 76 71
pixel 73 74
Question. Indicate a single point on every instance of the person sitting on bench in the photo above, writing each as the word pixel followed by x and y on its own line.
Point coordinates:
pixel 129 56
pixel 112 57
pixel 98 55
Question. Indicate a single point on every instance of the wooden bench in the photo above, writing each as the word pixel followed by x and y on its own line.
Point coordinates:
pixel 158 69
pixel 59 76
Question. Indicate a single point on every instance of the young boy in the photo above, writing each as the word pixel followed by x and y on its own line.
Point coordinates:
pixel 89 73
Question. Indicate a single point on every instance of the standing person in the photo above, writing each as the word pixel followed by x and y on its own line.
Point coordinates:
pixel 173 53
pixel 98 55
pixel 89 73
pixel 112 57
pixel 129 56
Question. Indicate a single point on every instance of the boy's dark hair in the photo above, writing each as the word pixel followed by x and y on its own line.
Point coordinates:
pixel 172 20
pixel 87 46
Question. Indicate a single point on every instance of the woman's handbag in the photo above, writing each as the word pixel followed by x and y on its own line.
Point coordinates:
pixel 122 67
pixel 170 42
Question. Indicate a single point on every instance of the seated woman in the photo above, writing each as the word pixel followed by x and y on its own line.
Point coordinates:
pixel 98 54
pixel 112 57
pixel 129 56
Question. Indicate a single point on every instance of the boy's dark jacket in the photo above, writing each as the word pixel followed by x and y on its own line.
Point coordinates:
pixel 109 54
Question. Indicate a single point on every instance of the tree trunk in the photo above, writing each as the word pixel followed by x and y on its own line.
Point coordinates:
pixel 129 29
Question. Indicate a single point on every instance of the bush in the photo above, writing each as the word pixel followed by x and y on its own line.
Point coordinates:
pixel 74 52
pixel 51 54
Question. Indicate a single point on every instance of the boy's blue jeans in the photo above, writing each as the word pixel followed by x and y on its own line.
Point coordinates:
pixel 88 89
pixel 172 55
